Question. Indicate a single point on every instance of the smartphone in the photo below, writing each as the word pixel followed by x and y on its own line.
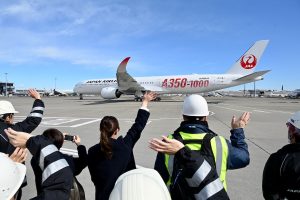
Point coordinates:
pixel 69 137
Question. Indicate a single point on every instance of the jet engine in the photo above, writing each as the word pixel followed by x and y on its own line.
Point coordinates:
pixel 110 93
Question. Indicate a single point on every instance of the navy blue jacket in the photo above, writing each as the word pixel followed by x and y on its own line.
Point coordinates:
pixel 105 172
pixel 76 165
pixel 27 125
pixel 57 176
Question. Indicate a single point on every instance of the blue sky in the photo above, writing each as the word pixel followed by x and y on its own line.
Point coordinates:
pixel 73 40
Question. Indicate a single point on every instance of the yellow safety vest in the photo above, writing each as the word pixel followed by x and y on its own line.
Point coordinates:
pixel 219 148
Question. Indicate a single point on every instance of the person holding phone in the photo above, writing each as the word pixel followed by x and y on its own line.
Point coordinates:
pixel 57 138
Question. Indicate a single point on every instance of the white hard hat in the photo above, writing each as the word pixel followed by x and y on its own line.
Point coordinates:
pixel 195 105
pixel 12 175
pixel 140 184
pixel 295 119
pixel 6 107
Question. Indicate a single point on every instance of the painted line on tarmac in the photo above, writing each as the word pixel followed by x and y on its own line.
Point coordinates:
pixel 60 121
pixel 261 111
pixel 229 108
pixel 85 123
pixel 132 122
pixel 267 110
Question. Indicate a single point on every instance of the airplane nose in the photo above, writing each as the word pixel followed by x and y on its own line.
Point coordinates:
pixel 76 88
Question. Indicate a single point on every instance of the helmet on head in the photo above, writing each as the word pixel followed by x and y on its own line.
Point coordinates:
pixel 195 105
pixel 295 120
pixel 12 175
pixel 140 184
pixel 6 107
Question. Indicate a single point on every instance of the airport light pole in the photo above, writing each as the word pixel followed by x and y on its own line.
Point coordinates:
pixel 5 84
pixel 55 83
pixel 254 89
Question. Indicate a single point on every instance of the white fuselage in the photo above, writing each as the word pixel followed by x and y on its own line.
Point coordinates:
pixel 178 84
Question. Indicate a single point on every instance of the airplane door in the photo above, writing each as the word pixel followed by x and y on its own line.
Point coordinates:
pixel 220 80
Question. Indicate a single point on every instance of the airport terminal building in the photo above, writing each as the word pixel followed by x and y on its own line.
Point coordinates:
pixel 10 88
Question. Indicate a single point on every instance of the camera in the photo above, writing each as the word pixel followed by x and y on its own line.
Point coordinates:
pixel 69 137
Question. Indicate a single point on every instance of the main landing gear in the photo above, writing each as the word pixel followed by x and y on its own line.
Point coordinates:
pixel 140 99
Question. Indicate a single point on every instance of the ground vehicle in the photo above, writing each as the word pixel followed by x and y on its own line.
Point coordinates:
pixel 294 94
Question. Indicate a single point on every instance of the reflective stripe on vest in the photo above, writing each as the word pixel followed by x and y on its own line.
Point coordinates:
pixel 199 175
pixel 188 136
pixel 219 149
pixel 210 189
pixel 54 167
pixel 47 150
pixel 169 161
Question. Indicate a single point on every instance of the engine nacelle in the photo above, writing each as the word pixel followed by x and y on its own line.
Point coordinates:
pixel 110 93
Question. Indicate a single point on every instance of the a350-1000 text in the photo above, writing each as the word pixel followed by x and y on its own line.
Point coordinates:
pixel 183 82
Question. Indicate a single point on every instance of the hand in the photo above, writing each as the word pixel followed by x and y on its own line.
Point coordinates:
pixel 34 94
pixel 241 122
pixel 168 146
pixel 16 138
pixel 148 96
pixel 19 155
pixel 77 140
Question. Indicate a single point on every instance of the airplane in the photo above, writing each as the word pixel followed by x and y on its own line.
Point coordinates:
pixel 241 72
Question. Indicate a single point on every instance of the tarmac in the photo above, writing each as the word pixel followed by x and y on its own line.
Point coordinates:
pixel 265 133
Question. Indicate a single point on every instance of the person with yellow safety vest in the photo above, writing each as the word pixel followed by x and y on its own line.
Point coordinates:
pixel 199 141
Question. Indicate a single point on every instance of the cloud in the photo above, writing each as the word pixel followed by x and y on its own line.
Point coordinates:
pixel 22 8
pixel 78 32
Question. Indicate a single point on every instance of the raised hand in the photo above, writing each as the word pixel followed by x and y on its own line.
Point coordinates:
pixel 241 122
pixel 148 96
pixel 167 145
pixel 34 94
pixel 77 140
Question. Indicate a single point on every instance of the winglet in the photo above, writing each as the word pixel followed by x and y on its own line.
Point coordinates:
pixel 125 81
pixel 122 65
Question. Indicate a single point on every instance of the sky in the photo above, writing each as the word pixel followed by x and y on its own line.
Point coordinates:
pixel 46 44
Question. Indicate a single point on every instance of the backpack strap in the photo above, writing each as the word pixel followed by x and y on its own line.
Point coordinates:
pixel 206 149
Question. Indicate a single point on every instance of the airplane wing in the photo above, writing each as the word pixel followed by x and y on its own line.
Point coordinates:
pixel 153 88
pixel 127 83
pixel 252 76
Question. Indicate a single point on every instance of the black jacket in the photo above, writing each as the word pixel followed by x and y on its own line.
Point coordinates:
pixel 104 172
pixel 27 125
pixel 281 176
pixel 57 176
pixel 194 168
pixel 76 165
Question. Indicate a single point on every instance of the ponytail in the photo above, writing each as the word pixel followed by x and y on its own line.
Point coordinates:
pixel 108 127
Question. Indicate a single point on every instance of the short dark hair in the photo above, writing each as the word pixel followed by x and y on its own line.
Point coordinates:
pixel 192 118
pixel 56 137
pixel 4 116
